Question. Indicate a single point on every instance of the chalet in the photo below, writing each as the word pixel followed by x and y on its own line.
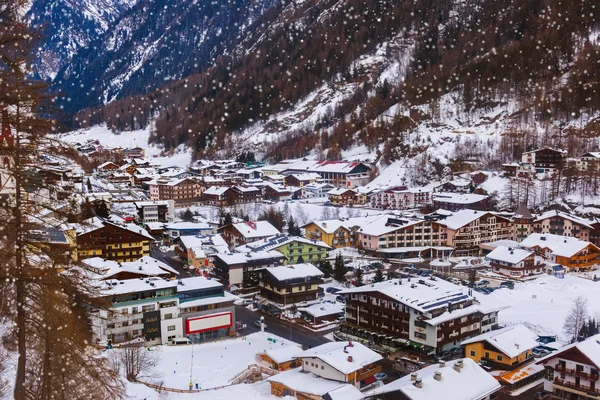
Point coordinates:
pixel 588 162
pixel 296 249
pixel 334 363
pixel 134 152
pixel 281 358
pixel 141 268
pixel 455 201
pixel 182 191
pixel 570 252
pixel 467 229
pixel 290 284
pixel 243 194
pixel 107 167
pixel 479 177
pixel 120 242
pixel 219 196
pixel 277 193
pixel 316 190
pixel 463 378
pixel 300 180
pixel 240 268
pixel 561 223
pixel 238 234
pixel 343 197
pixel 457 185
pixel 507 348
pixel 433 313
pixel 305 385
pixel 514 262
pixel 342 174
pixel 545 159
pixel 573 372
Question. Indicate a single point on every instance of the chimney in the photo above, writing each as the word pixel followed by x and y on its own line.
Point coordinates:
pixel 413 376
pixel 458 365
pixel 442 363
pixel 350 344
pixel 419 383
pixel 437 376
pixel 350 359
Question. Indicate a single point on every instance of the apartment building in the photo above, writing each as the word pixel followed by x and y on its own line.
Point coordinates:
pixel 237 234
pixel 183 191
pixel 431 313
pixel 156 211
pixel 296 249
pixel 467 229
pixel 343 197
pixel 97 237
pixel 337 233
pixel 569 252
pixel 573 371
pixel 514 262
pixel 544 159
pixel 388 232
pixel 160 310
pixel 400 198
pixel 290 283
pixel 460 201
pixel 239 269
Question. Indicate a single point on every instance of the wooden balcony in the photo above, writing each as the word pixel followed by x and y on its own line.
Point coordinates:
pixel 363 374
pixel 572 386
pixel 593 376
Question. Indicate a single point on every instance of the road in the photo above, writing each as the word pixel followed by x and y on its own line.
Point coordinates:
pixel 172 259
pixel 278 327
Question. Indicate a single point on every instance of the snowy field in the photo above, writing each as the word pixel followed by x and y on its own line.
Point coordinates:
pixel 181 157
pixel 256 391
pixel 543 304
pixel 214 364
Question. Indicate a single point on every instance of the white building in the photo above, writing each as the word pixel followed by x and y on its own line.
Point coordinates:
pixel 156 211
pixel 573 371
pixel 458 380
pixel 316 190
pixel 514 262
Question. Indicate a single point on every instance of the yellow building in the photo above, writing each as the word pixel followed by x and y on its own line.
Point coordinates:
pixel 506 348
pixel 282 358
pixel 335 233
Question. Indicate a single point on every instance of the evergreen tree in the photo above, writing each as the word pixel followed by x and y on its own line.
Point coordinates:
pixel 187 215
pixel 101 209
pixel 293 229
pixel 339 269
pixel 326 268
pixel 378 276
pixel 89 185
pixel 358 277
pixel 274 217
pixel 300 260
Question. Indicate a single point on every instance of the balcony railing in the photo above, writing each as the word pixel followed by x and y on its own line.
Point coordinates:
pixel 574 386
pixel 593 376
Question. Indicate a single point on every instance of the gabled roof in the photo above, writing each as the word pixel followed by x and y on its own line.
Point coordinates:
pixel 471 383
pixel 590 348
pixel 310 383
pixel 559 245
pixel 511 341
pixel 144 266
pixel 564 215
pixel 336 354
pixel 464 217
pixel 509 254
pixel 216 190
pixel 282 354
pixel 256 229
pixel 277 241
pixel 285 272
pixel 458 198
pixel 523 212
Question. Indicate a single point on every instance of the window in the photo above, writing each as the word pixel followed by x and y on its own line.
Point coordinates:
pixel 305 362
pixel 171 328
pixel 134 310
pixel 499 357
pixel 312 364
pixel 322 367
pixel 420 335
pixel 472 353
pixel 487 354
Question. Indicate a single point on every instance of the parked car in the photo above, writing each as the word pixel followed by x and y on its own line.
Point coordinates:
pixel 257 324
pixel 321 294
pixel 340 299
pixel 332 290
pixel 507 284
pixel 381 376
pixel 542 396
pixel 426 272
pixel 481 284
pixel 445 355
pixel 456 351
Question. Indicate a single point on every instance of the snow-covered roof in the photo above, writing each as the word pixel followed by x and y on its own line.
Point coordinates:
pixel 282 354
pixel 197 282
pixel 323 309
pixel 332 225
pixel 519 374
pixel 593 154
pixel 256 229
pixel 286 272
pixel 105 164
pixel 144 266
pixel 386 224
pixel 563 246
pixel 426 295
pixel 512 340
pixel 471 383
pixel 227 297
pixel 564 215
pixel 113 287
pixel 182 226
pixel 309 383
pixel 241 258
pixel 309 176
pixel 339 191
pixel 277 241
pixel 246 189
pixel 589 347
pixel 458 198
pixel 140 204
pixel 337 355
pixel 139 230
pixel 510 255
pixel 463 217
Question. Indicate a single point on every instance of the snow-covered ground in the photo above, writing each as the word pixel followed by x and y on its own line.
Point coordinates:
pixel 181 156
pixel 211 364
pixel 256 391
pixel 544 303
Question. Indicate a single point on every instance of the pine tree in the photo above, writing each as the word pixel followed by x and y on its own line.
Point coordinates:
pixel 378 276
pixel 293 229
pixel 358 277
pixel 101 209
pixel 326 268
pixel 339 269
pixel 187 215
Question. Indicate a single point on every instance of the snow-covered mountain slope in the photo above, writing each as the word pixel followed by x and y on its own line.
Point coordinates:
pixel 69 26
